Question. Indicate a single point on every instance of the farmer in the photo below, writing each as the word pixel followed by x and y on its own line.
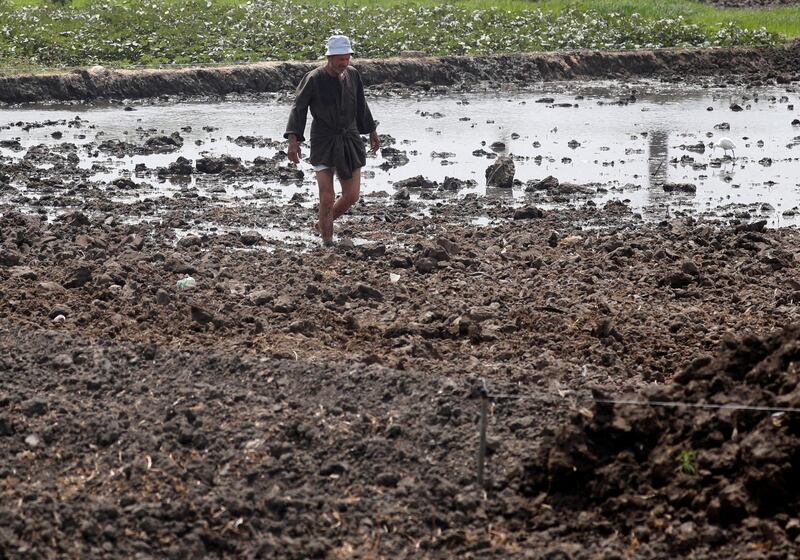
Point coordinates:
pixel 335 94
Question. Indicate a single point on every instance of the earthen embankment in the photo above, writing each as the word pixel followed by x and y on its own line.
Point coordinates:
pixel 754 65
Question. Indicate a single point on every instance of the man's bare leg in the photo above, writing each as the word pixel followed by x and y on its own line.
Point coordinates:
pixel 350 191
pixel 326 204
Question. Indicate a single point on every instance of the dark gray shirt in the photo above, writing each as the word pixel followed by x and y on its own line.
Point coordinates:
pixel 340 114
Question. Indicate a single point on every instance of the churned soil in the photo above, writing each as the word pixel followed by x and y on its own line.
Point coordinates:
pixel 297 401
pixel 323 402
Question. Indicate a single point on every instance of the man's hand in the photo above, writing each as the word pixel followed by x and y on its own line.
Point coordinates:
pixel 374 141
pixel 294 149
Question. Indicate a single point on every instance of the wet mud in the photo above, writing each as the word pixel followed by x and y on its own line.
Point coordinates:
pixel 322 402
pixel 741 65
pixel 693 474
pixel 185 374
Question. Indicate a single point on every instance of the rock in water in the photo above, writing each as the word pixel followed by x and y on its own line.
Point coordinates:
pixel 501 173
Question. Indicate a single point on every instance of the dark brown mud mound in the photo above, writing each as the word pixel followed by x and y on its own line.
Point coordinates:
pixel 692 473
pixel 739 65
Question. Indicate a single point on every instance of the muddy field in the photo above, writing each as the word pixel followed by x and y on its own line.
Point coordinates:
pixel 295 401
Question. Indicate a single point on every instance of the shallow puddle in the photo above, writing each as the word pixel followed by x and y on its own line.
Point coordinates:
pixel 625 142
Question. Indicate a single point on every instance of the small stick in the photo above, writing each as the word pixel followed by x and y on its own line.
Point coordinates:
pixel 482 445
pixel 658 168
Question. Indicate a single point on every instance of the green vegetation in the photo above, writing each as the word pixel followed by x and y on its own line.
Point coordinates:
pixel 686 460
pixel 45 33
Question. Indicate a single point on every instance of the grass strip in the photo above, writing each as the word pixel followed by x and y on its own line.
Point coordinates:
pixel 37 34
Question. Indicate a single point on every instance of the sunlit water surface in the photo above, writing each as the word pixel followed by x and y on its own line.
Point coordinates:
pixel 591 133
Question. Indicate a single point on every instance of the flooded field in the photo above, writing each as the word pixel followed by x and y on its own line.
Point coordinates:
pixel 618 143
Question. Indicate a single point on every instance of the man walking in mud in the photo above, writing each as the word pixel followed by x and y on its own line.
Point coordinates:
pixel 335 94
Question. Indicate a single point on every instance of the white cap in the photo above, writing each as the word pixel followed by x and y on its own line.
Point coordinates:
pixel 338 44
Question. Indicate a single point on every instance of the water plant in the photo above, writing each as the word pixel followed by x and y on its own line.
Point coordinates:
pixel 150 32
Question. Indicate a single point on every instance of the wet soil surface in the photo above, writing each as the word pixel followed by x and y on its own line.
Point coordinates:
pixel 176 381
pixel 322 402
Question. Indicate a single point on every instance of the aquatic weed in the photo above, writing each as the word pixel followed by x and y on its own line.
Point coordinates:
pixel 122 33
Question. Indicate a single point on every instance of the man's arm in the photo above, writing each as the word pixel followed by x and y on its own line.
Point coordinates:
pixel 296 126
pixel 294 149
pixel 374 141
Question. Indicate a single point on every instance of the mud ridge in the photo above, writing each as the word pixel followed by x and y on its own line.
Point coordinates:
pixel 751 65
pixel 644 465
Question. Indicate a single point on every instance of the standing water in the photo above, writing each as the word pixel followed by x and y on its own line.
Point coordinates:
pixel 626 143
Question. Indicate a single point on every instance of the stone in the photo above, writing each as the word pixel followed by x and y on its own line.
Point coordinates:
pixel 400 261
pixel 417 182
pixel 426 265
pixel 447 245
pixel 211 165
pixel 59 309
pixel 107 434
pixel 200 315
pixel 283 304
pixel 528 213
pixel 689 267
pixel 388 479
pixel 365 291
pixel 679 187
pixel 181 166
pixel 9 257
pixel 124 183
pixel 34 407
pixel 78 278
pixel 6 427
pixel 190 241
pixel 676 280
pixel 163 144
pixel 373 250
pixel 436 252
pixel 402 194
pixel 261 297
pixel 162 297
pixel 394 157
pixel 501 173
pixel 452 184
pixel 251 237
pixel 547 184
pixel 333 469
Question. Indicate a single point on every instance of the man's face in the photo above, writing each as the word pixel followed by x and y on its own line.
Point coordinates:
pixel 339 62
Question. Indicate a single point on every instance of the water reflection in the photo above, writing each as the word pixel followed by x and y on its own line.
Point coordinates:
pixel 499 193
pixel 657 167
pixel 622 147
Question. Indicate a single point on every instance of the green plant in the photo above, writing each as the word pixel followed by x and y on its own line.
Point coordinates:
pixel 41 33
pixel 686 461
